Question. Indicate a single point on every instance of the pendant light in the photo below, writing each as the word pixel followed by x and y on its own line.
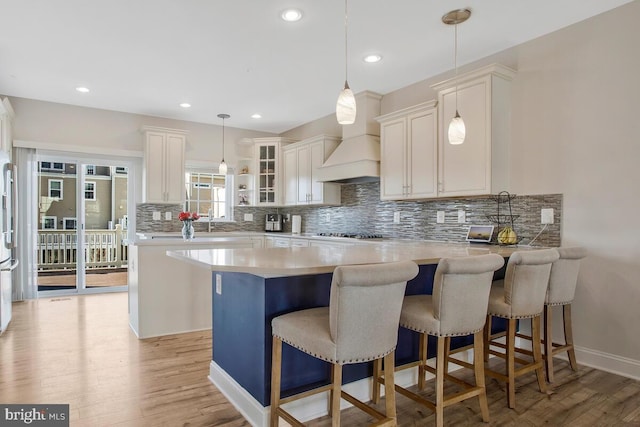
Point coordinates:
pixel 457 130
pixel 222 169
pixel 346 105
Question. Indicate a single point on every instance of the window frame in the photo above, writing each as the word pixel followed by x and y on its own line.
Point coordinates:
pixel 50 217
pixel 228 194
pixel 95 190
pixel 69 218
pixel 61 189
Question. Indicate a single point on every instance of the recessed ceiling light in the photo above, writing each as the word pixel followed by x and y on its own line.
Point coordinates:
pixel 82 89
pixel 185 105
pixel 292 15
pixel 256 116
pixel 372 58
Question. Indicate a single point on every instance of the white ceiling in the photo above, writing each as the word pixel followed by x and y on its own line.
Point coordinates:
pixel 239 57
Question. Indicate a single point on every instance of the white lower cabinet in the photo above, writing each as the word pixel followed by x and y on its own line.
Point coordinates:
pixel 301 162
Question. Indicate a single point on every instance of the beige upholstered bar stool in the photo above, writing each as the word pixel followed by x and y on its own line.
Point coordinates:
pixel 360 325
pixel 562 289
pixel 457 307
pixel 520 295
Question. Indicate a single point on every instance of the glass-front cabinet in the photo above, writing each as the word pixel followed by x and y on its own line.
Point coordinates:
pixel 268 186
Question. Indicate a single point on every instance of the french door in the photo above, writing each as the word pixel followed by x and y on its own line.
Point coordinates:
pixel 83 224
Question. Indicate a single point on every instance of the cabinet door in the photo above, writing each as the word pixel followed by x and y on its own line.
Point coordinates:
pixel 154 162
pixel 304 175
pixel 392 159
pixel 422 154
pixel 267 184
pixel 465 169
pixel 317 188
pixel 174 172
pixel 290 176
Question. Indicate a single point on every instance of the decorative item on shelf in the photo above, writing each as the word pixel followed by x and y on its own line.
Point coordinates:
pixel 242 187
pixel 457 130
pixel 187 219
pixel 222 169
pixel 346 105
pixel 243 199
pixel 244 170
pixel 506 230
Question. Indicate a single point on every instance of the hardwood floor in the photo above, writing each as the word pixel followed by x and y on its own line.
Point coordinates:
pixel 79 350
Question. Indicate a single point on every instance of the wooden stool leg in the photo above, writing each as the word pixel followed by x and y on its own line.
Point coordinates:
pixel 478 365
pixel 568 335
pixel 377 372
pixel 389 385
pixel 447 350
pixel 487 338
pixel 276 365
pixel 440 382
pixel 537 353
pixel 548 341
pixel 510 365
pixel 336 382
pixel 423 361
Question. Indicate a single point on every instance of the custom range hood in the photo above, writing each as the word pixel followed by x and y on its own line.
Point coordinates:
pixel 357 157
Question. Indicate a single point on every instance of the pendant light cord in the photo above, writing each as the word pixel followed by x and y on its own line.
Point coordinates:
pixel 455 62
pixel 223 139
pixel 346 23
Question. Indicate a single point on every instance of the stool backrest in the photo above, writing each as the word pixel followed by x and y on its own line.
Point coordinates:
pixel 564 276
pixel 364 308
pixel 461 290
pixel 526 280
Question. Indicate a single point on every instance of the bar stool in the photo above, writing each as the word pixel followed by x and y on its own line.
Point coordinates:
pixel 520 295
pixel 458 307
pixel 360 325
pixel 562 289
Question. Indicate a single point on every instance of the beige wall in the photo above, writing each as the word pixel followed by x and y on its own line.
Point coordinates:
pixel 89 127
pixel 576 131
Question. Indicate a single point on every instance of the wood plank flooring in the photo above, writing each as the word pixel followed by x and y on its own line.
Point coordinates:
pixel 80 350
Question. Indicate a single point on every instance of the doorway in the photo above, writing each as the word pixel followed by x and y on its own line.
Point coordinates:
pixel 83 225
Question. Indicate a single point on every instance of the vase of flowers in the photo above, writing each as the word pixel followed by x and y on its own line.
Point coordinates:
pixel 187 219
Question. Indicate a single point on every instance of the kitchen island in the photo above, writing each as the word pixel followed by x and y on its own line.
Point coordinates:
pixel 252 286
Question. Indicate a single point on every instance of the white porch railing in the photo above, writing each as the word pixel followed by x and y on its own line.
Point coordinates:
pixel 57 249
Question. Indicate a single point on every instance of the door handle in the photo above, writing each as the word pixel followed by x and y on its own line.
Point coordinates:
pixel 14 264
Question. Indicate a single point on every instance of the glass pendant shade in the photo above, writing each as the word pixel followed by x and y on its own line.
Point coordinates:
pixel 222 169
pixel 346 106
pixel 457 130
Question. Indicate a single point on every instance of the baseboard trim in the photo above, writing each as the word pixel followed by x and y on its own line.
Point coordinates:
pixel 607 362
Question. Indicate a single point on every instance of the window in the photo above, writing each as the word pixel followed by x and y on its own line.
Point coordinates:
pixel 69 223
pixel 91 169
pixel 90 190
pixel 49 222
pixel 121 170
pixel 209 192
pixel 56 166
pixel 55 188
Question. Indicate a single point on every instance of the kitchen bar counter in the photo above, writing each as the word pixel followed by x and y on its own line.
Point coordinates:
pixel 252 286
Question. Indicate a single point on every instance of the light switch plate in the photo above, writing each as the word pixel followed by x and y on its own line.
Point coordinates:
pixel 546 216
pixel 396 217
pixel 219 284
pixel 440 217
pixel 167 216
pixel 156 216
pixel 248 217
pixel 462 216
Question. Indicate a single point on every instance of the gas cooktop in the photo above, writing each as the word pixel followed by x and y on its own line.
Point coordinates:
pixel 353 235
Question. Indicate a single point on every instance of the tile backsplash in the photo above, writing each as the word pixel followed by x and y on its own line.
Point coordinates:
pixel 362 211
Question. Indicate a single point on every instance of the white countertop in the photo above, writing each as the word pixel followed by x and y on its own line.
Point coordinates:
pixel 296 261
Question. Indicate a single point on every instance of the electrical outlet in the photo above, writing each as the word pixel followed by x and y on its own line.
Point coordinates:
pixel 546 216
pixel 248 217
pixel 327 217
pixel 219 284
pixel 440 217
pixel 156 216
pixel 462 216
pixel 167 216
pixel 396 217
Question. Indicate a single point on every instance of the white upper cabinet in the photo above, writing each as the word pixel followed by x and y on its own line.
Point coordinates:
pixel 163 177
pixel 268 175
pixel 480 165
pixel 301 163
pixel 409 155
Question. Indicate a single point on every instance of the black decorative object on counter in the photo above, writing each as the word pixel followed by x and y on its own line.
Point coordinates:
pixel 506 233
